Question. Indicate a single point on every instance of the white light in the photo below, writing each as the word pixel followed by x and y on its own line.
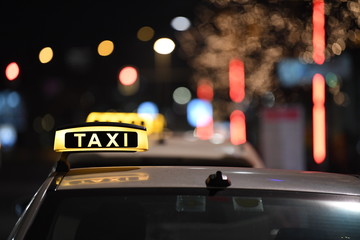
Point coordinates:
pixel 180 23
pixel 347 206
pixel 164 46
pixel 182 95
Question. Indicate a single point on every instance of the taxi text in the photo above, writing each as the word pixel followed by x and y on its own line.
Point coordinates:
pixel 101 139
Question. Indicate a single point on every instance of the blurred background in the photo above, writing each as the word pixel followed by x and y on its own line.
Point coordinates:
pixel 281 75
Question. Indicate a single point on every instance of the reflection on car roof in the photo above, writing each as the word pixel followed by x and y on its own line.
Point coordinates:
pixel 195 176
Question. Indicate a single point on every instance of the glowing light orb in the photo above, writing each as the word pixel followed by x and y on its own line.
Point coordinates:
pixel 164 46
pixel 199 113
pixel 12 71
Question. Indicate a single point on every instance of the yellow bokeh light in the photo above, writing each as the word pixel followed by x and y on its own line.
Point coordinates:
pixel 145 34
pixel 46 54
pixel 105 48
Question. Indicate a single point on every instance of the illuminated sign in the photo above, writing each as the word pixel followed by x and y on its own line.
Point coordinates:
pixel 153 124
pixel 101 137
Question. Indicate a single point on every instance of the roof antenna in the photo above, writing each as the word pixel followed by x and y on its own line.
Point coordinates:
pixel 217 180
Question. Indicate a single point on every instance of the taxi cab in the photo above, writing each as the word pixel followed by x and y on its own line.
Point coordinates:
pixel 94 192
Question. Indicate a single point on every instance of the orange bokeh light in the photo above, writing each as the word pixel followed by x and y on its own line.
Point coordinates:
pixel 237 127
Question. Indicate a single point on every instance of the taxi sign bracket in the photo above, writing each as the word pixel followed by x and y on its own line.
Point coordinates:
pixel 62 164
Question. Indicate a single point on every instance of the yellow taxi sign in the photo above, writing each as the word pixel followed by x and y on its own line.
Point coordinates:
pixel 101 137
pixel 153 124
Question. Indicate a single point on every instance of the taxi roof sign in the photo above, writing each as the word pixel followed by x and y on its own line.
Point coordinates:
pixel 101 136
pixel 153 124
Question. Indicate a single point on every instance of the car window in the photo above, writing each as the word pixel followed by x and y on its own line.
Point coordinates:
pixel 195 214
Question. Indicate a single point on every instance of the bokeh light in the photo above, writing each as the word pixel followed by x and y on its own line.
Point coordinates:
pixel 319 118
pixel 8 136
pixel 13 99
pixel 237 127
pixel 182 95
pixel 331 80
pixel 12 71
pixel 12 109
pixel 148 109
pixel 2 101
pixel 205 90
pixel 164 46
pixel 46 55
pixel 128 75
pixel 105 48
pixel 180 23
pixel 318 36
pixel 145 33
pixel 199 113
pixel 48 122
pixel 205 132
pixel 236 80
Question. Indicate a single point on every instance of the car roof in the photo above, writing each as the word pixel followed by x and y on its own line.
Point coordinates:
pixel 195 177
pixel 96 155
pixel 175 150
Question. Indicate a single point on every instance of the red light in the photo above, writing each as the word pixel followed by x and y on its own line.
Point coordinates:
pixel 128 76
pixel 205 132
pixel 12 71
pixel 318 90
pixel 318 19
pixel 205 91
pixel 236 80
pixel 319 121
pixel 237 127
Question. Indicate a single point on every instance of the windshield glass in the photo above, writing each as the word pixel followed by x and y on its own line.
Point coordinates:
pixel 194 214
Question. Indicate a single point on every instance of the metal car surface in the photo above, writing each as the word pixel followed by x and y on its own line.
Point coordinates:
pixel 195 176
pixel 110 195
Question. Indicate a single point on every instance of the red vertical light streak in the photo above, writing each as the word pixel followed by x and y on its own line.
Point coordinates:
pixel 205 91
pixel 236 80
pixel 319 121
pixel 319 111
pixel 237 127
pixel 318 19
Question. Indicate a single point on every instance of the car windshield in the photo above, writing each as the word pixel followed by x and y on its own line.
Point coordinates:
pixel 195 214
